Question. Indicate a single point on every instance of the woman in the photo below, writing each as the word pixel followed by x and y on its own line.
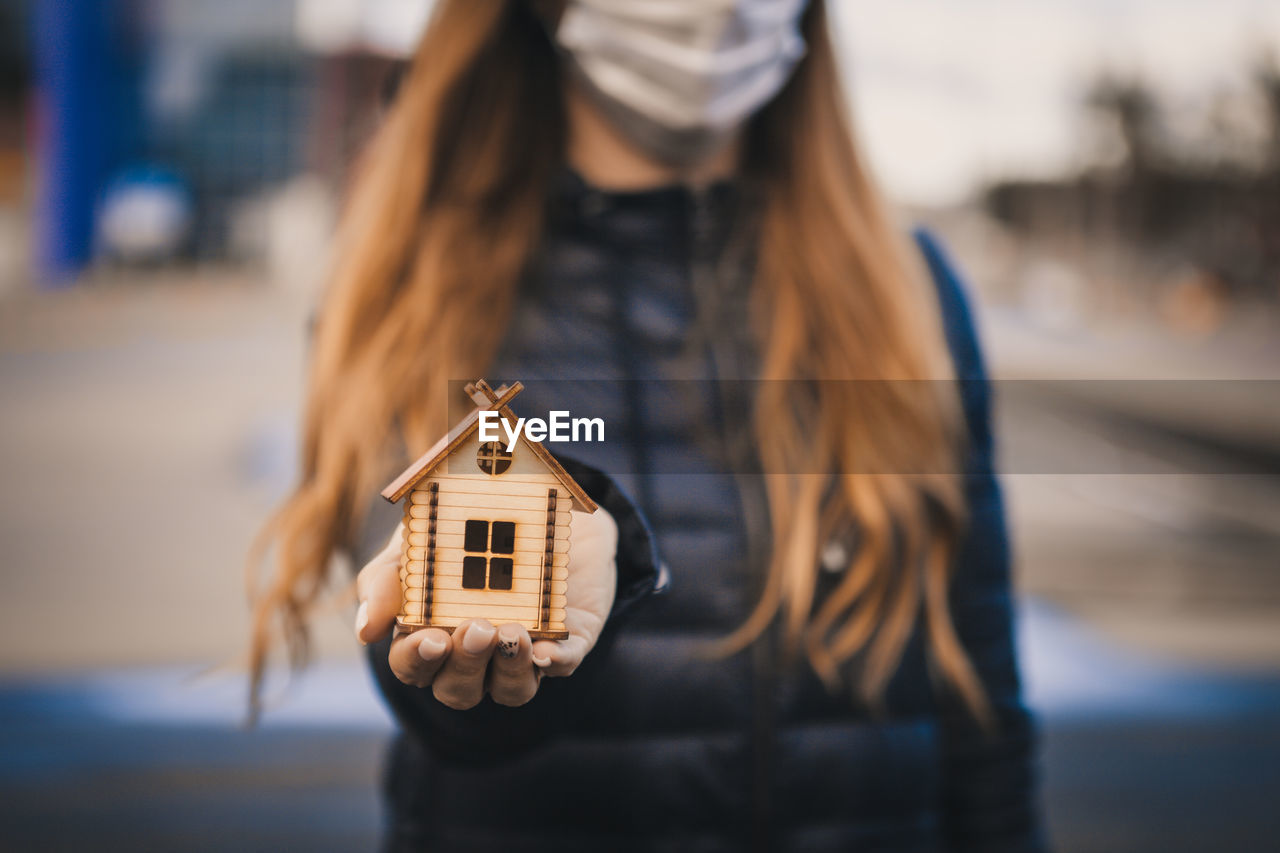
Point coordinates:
pixel 791 617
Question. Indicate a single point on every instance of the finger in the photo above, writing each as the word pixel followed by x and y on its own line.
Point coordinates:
pixel 512 678
pixel 390 553
pixel 460 682
pixel 560 658
pixel 378 589
pixel 416 658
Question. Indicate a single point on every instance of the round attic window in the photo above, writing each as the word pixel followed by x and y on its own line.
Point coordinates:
pixel 493 458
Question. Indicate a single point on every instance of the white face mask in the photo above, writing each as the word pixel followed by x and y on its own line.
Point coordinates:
pixel 678 77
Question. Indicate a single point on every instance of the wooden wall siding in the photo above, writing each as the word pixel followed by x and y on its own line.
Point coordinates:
pixel 454 538
pixel 436 512
pixel 416 574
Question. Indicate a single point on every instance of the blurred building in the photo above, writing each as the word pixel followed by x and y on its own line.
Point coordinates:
pixel 201 129
pixel 1189 223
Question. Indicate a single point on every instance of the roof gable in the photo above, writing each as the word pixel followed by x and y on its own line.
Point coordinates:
pixel 486 399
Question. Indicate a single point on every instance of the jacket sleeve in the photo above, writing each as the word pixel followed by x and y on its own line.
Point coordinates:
pixel 491 733
pixel 988 787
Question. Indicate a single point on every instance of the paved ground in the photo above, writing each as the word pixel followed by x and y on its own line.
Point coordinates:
pixel 146 429
pixel 145 434
pixel 1138 755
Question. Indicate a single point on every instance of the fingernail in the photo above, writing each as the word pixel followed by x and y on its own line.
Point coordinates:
pixel 508 641
pixel 542 663
pixel 362 619
pixel 478 637
pixel 430 648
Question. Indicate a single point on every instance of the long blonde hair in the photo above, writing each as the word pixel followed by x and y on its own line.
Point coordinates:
pixel 444 215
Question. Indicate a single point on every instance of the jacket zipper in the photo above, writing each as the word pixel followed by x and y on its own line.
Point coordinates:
pixel 724 363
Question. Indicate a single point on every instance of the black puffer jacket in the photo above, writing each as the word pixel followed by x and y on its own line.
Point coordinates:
pixel 651 745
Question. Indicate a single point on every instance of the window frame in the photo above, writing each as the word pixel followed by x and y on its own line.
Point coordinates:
pixel 483 565
pixel 496 456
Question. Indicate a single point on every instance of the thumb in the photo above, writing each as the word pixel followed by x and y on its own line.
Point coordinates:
pixel 562 657
pixel 379 593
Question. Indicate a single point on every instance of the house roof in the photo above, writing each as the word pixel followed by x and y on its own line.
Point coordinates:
pixel 486 399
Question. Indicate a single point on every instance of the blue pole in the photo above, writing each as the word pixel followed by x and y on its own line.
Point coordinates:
pixel 72 71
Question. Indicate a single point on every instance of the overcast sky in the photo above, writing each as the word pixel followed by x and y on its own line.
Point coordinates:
pixel 949 91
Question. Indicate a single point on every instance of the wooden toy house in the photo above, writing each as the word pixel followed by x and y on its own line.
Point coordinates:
pixel 486 530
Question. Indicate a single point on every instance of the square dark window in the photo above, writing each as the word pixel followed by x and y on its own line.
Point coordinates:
pixel 500 573
pixel 477 536
pixel 504 537
pixel 473 572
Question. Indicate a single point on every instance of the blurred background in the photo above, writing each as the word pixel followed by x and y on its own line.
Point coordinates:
pixel 1106 173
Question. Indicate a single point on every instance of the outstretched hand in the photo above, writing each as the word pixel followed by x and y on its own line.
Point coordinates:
pixel 479 657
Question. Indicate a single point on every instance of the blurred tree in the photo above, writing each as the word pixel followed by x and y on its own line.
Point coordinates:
pixel 15 83
pixel 1161 204
pixel 1267 80
pixel 1128 110
pixel 15 69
